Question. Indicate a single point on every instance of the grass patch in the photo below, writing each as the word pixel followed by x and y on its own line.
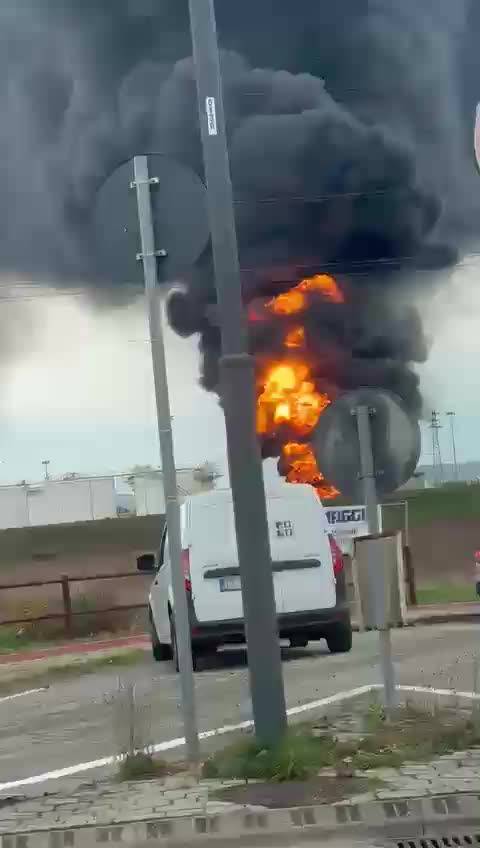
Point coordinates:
pixel 446 593
pixel 300 755
pixel 64 668
pixel 411 735
pixel 12 640
pixel 449 502
pixel 141 766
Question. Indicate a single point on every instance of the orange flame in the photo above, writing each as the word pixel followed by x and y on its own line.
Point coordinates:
pixel 287 397
pixel 295 337
pixel 294 300
pixel 304 469
pixel 324 285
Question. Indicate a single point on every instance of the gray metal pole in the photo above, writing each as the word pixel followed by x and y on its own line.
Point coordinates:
pixel 371 502
pixel 238 393
pixel 182 623
pixel 368 471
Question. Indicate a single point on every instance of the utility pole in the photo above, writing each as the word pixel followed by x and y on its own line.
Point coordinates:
pixel 364 415
pixel 46 463
pixel 437 463
pixel 149 255
pixel 238 392
pixel 451 415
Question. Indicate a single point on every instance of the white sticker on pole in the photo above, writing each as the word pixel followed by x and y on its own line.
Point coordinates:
pixel 211 110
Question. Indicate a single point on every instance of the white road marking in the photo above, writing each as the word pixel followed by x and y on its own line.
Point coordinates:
pixel 22 694
pixel 169 745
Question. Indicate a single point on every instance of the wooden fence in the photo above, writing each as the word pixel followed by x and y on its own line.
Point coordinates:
pixel 69 613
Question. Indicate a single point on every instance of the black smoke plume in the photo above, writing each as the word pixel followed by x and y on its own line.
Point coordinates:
pixel 349 128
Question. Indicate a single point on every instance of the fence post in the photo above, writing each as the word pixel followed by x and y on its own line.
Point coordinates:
pixel 67 604
pixel 410 575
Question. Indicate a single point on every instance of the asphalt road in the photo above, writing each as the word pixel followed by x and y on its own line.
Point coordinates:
pixel 85 719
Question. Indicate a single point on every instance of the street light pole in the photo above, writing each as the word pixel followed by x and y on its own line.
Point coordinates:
pixel 238 392
pixel 142 184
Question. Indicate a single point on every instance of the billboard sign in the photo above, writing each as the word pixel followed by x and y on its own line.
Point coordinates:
pixel 346 523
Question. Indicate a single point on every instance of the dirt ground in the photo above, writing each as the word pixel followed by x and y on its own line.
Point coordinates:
pixel 83 549
pixel 443 551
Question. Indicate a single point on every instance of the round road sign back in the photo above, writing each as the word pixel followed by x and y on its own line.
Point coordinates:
pixel 180 220
pixel 395 437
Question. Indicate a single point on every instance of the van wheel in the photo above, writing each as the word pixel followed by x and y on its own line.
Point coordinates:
pixel 173 634
pixel 160 651
pixel 339 639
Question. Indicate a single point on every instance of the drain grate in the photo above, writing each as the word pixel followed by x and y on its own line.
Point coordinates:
pixel 453 841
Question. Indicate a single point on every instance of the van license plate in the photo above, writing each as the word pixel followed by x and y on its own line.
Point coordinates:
pixel 230 584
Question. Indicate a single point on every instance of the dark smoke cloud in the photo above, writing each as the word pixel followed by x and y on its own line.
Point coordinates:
pixel 349 128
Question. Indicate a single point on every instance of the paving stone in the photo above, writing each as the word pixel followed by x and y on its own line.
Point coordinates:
pixel 363 798
pixel 462 784
pixel 384 773
pixel 467 772
pixel 420 769
pixel 387 795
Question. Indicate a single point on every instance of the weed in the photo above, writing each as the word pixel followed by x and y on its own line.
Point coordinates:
pixel 410 734
pixel 375 717
pixel 141 766
pixel 298 756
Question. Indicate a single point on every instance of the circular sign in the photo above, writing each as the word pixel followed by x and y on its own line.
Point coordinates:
pixel 179 213
pixel 476 136
pixel 395 441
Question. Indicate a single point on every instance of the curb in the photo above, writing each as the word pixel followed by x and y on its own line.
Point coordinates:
pixel 445 618
pixel 75 648
pixel 394 819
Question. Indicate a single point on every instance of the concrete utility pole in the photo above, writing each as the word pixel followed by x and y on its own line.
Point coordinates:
pixel 238 392
pixel 46 463
pixel 149 256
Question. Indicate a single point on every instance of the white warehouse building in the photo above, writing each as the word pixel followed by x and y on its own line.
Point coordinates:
pixel 78 499
pixel 147 487
pixel 57 502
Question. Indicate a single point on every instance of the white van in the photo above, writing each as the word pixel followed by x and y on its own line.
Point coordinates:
pixel 308 575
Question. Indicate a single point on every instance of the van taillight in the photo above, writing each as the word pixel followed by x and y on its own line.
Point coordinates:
pixel 337 555
pixel 186 569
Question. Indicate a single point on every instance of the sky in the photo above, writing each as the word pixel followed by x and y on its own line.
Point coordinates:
pixel 77 385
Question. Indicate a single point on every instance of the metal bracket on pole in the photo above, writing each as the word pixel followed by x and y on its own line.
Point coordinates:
pixel 150 182
pixel 158 253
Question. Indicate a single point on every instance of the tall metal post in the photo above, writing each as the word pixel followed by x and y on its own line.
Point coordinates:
pixel 363 414
pixel 149 255
pixel 451 416
pixel 238 393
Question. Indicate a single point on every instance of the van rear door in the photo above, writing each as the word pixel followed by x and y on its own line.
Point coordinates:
pixel 301 555
pixel 214 569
